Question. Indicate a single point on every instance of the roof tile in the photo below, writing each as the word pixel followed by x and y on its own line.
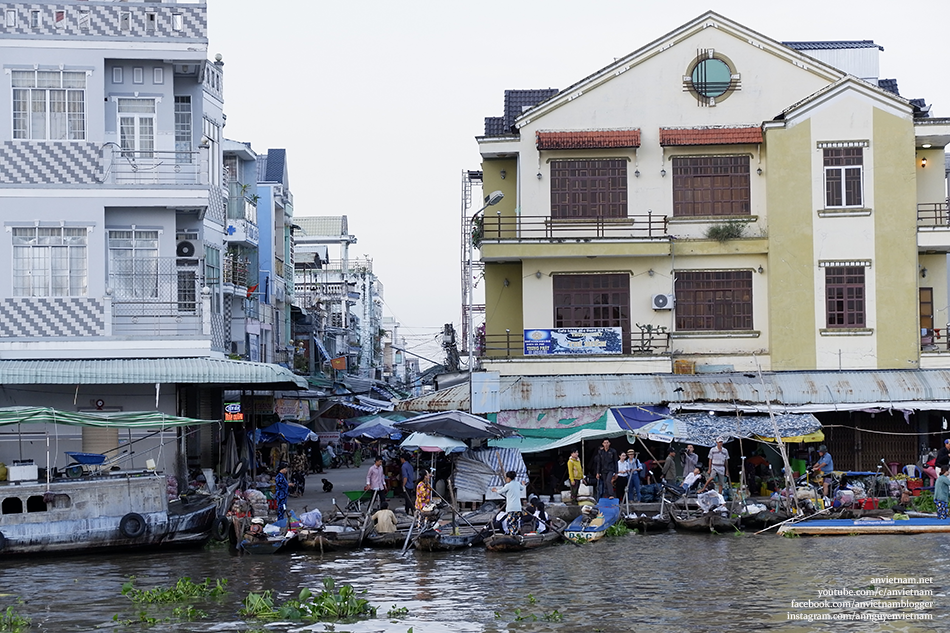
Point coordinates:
pixel 588 139
pixel 710 135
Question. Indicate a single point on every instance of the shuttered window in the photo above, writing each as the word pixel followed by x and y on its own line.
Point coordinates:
pixel 589 189
pixel 714 300
pixel 711 185
pixel 844 294
pixel 593 301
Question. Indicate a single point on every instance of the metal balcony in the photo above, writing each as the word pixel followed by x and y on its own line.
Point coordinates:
pixel 500 228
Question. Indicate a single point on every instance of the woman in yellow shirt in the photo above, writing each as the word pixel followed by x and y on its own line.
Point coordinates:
pixel 574 473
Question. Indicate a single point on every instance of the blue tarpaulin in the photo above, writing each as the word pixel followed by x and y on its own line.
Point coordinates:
pixel 631 418
pixel 286 431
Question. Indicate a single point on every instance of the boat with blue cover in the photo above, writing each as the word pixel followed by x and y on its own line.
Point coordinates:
pixel 594 521
pixel 867 525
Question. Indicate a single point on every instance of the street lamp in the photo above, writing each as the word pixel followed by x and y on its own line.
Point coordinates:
pixel 493 198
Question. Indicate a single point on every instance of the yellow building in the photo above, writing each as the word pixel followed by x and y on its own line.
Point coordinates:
pixel 716 201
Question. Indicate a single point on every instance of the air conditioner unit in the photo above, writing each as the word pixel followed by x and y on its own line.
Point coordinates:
pixel 662 302
pixel 186 247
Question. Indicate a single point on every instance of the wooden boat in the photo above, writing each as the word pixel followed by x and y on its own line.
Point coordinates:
pixel 444 538
pixel 329 538
pixel 655 523
pixel 705 522
pixel 502 542
pixel 270 545
pixel 118 510
pixel 386 540
pixel 871 525
pixel 588 528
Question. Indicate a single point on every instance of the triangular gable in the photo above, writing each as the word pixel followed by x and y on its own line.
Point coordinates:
pixel 899 105
pixel 710 19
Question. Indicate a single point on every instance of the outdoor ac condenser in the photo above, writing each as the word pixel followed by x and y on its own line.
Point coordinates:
pixel 662 302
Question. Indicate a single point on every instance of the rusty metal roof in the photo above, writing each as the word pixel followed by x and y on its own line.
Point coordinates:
pixel 922 389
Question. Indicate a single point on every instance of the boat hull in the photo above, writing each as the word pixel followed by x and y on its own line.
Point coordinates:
pixel 500 542
pixel 709 522
pixel 581 529
pixel 845 527
pixel 123 512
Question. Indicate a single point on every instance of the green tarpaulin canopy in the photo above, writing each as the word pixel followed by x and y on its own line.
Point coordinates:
pixel 116 419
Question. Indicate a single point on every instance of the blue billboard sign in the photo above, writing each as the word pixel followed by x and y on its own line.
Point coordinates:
pixel 573 341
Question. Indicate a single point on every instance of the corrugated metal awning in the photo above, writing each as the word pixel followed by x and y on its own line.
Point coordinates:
pixel 136 371
pixel 792 392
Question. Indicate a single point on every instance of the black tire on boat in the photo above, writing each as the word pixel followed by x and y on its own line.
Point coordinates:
pixel 3 541
pixel 220 528
pixel 132 525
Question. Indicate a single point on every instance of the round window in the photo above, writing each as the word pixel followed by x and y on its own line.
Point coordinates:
pixel 711 77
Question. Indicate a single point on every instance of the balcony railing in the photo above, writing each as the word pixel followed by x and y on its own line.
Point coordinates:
pixel 161 296
pixel 545 228
pixel 236 270
pixel 646 340
pixel 128 167
pixel 933 214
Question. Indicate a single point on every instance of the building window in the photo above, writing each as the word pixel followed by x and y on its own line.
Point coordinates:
pixel 213 277
pixel 125 21
pixel 49 104
pixel 59 19
pixel 183 131
pixel 34 19
pixel 589 189
pixel 212 136
pixel 711 186
pixel 158 75
pixel 117 74
pixel 138 75
pixel 133 263
pixel 593 301
pixel 84 19
pixel 137 127
pixel 177 22
pixel 844 296
pixel 151 20
pixel 711 77
pixel 843 176
pixel 720 300
pixel 49 261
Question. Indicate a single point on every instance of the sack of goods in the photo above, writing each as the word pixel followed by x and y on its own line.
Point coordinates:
pixel 258 502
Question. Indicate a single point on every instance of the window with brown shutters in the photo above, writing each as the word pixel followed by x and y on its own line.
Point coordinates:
pixel 843 176
pixel 593 301
pixel 589 189
pixel 711 185
pixel 714 300
pixel 844 296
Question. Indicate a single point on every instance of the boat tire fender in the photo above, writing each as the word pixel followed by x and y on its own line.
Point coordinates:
pixel 3 541
pixel 220 528
pixel 132 525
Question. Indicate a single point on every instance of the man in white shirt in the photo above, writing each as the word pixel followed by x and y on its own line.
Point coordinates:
pixel 718 464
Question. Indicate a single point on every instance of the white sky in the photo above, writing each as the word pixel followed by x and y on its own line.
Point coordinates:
pixel 378 102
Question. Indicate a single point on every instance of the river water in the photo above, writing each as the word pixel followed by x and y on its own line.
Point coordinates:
pixel 669 582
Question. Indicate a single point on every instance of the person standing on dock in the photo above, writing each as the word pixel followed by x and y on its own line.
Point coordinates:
pixel 605 465
pixel 636 469
pixel 575 473
pixel 669 466
pixel 424 491
pixel 690 460
pixel 719 464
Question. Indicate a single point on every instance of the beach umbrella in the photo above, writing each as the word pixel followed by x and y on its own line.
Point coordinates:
pixel 427 443
pixel 458 425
